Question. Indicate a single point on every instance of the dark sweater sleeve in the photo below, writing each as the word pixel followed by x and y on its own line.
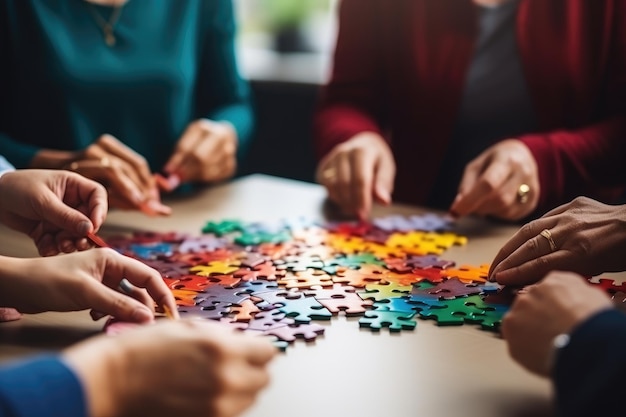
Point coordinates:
pixel 590 372
pixel 40 387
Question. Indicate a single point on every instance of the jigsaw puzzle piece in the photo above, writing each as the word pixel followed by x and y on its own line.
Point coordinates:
pixel 399 304
pixel 383 291
pixel 269 320
pixel 151 250
pixel 303 309
pixel 224 227
pixel 468 273
pixel 215 268
pixel 308 332
pixel 455 311
pixel 358 278
pixel 214 310
pixel 306 279
pixel 394 320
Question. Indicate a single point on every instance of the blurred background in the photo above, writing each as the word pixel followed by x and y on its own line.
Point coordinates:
pixel 284 49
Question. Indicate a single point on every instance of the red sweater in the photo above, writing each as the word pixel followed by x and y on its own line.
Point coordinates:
pixel 400 66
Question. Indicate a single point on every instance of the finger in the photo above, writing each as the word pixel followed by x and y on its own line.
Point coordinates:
pixel 482 188
pixel 46 245
pixel 186 144
pixel 501 202
pixel 117 182
pixel 362 163
pixel 103 299
pixel 468 182
pixel 138 294
pixel 139 275
pixel 204 159
pixel 534 270
pixel 93 195
pixel 137 162
pixel 327 176
pixel 56 212
pixel 260 352
pixel 524 234
pixel 344 184
pixel 384 175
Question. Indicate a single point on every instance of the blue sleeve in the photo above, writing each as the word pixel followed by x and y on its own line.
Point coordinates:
pixel 590 372
pixel 5 165
pixel 223 95
pixel 41 386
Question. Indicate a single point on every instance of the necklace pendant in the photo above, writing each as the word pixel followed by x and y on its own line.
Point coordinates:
pixel 109 37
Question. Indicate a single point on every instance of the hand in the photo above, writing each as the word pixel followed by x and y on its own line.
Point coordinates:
pixel 121 170
pixel 590 238
pixel 357 171
pixel 55 208
pixel 173 368
pixel 75 281
pixel 491 182
pixel 206 152
pixel 541 312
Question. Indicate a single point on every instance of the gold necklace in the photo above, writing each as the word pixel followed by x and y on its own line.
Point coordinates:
pixel 107 26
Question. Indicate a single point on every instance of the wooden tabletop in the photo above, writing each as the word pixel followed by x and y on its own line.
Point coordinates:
pixel 431 371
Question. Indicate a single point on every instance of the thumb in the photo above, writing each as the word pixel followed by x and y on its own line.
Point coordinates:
pixel 61 215
pixel 110 302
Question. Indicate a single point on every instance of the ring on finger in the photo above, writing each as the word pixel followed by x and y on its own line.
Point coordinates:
pixel 548 235
pixel 329 174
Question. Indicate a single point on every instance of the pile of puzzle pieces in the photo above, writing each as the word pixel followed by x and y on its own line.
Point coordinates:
pixel 279 279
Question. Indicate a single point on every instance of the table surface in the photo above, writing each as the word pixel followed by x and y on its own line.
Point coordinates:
pixel 431 371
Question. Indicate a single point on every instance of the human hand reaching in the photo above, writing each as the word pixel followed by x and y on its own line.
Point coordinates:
pixel 206 152
pixel 589 239
pixel 554 306
pixel 55 208
pixel 493 183
pixel 174 368
pixel 84 280
pixel 358 172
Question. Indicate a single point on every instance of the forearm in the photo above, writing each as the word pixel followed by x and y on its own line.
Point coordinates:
pixel 585 161
pixel 42 386
pixel 11 282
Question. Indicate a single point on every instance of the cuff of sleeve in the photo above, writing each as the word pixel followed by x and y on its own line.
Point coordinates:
pixel 42 386
pixel 589 370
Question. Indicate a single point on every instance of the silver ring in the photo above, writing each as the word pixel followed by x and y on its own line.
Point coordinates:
pixel 126 286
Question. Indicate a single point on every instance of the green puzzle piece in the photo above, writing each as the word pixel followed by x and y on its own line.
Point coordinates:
pixel 223 228
pixel 394 320
pixel 380 292
pixel 256 238
pixel 457 311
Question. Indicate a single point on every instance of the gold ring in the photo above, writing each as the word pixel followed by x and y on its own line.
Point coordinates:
pixel 548 235
pixel 329 174
pixel 522 193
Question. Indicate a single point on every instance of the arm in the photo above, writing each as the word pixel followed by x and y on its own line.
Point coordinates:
pixel 350 103
pixel 222 94
pixel 588 159
pixel 589 371
pixel 36 386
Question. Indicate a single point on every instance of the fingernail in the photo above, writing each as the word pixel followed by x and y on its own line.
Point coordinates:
pixel 84 227
pixel 142 315
pixel 158 207
pixel 138 198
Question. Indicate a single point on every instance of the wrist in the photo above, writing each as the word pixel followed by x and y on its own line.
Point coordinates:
pixel 99 378
pixel 559 342
pixel 53 159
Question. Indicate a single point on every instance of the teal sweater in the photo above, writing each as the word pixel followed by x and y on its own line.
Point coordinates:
pixel 61 86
